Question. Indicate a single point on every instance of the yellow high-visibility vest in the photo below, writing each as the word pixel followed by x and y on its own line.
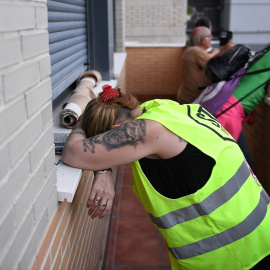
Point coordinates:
pixel 226 223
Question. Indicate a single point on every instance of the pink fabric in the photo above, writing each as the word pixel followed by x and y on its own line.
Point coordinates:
pixel 233 118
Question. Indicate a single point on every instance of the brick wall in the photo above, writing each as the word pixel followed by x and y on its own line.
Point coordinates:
pixel 258 139
pixel 153 72
pixel 28 178
pixel 156 20
pixel 73 240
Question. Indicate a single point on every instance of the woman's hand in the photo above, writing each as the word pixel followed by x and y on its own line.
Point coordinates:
pixel 101 197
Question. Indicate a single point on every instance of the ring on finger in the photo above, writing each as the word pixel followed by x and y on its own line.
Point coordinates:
pixel 97 199
pixel 102 204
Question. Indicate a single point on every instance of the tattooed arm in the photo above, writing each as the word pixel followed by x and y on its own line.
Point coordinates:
pixel 115 147
pixel 124 144
pixel 127 143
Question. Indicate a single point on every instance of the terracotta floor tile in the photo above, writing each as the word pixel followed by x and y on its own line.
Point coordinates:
pixel 137 252
pixel 111 246
pixel 131 208
pixel 137 228
pixel 128 194
pixel 107 267
pixel 127 180
pixel 118 192
pixel 116 202
pixel 113 227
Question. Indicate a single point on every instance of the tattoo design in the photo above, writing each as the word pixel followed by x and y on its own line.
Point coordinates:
pixel 90 144
pixel 129 134
pixel 77 129
pixel 78 125
pixel 77 132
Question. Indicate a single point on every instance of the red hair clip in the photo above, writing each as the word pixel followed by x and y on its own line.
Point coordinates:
pixel 109 92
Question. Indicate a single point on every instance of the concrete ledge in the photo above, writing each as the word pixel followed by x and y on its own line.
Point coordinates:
pixel 68 179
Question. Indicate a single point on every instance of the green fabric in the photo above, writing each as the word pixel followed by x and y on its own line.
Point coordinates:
pixel 198 127
pixel 251 82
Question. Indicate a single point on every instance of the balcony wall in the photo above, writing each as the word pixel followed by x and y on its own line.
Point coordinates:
pixel 153 72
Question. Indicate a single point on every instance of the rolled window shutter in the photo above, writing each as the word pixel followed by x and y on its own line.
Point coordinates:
pixel 68 42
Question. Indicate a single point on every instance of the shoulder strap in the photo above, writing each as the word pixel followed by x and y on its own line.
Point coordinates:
pixel 250 73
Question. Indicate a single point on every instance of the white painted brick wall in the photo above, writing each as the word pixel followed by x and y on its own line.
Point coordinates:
pixel 52 205
pixel 33 245
pixel 25 138
pixel 38 150
pixel 28 195
pixel 49 159
pixel 7 225
pixel 4 162
pixel 45 66
pixel 12 186
pixel 24 203
pixel 38 96
pixel 41 17
pixel 1 93
pixel 34 44
pixel 20 79
pixel 47 115
pixel 19 15
pixel 10 52
pixel 44 196
pixel 17 247
pixel 11 112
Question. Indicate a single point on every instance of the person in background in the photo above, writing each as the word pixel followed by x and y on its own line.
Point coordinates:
pixel 194 59
pixel 202 21
pixel 205 21
pixel 188 173
pixel 226 42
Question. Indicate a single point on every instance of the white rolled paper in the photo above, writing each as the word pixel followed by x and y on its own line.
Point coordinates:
pixel 83 93
pixel 89 79
pixel 74 107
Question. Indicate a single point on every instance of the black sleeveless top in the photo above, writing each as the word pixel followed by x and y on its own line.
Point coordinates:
pixel 181 175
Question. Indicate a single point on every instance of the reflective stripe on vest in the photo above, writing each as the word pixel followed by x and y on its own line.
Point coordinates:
pixel 211 203
pixel 226 237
